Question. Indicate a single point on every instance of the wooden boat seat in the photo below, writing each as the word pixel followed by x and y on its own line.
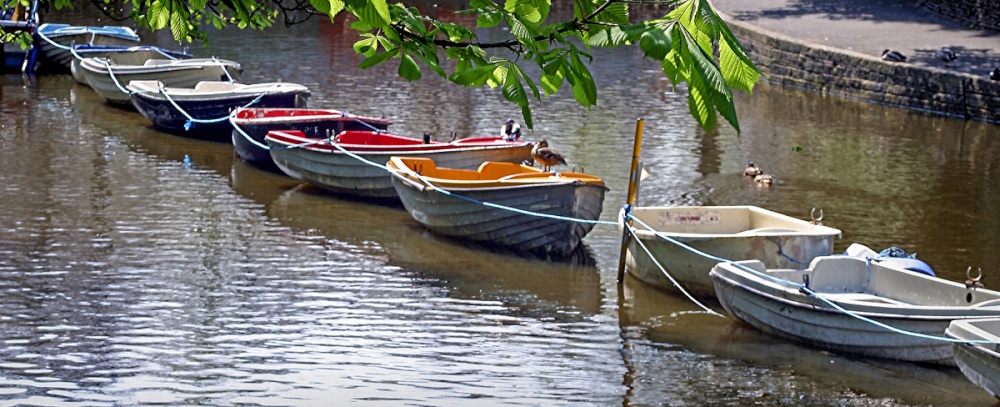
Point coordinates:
pixel 767 230
pixel 213 86
pixel 498 170
pixel 156 62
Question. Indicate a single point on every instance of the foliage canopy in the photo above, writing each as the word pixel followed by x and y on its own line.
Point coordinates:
pixel 692 42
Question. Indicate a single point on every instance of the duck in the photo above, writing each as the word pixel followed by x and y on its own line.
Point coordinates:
pixel 546 156
pixel 946 55
pixel 893 56
pixel 995 75
pixel 752 170
pixel 763 179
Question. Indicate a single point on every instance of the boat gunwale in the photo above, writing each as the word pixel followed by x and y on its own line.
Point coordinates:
pixel 333 115
pixel 65 30
pixel 140 89
pixel 873 309
pixel 96 65
pixel 537 180
pixel 289 140
pixel 645 234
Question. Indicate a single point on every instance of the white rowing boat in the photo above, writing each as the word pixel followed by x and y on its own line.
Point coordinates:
pixel 799 304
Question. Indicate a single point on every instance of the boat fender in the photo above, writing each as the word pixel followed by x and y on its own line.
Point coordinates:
pixel 893 255
pixel 898 256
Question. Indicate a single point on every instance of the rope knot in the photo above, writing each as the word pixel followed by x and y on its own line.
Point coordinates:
pixel 628 212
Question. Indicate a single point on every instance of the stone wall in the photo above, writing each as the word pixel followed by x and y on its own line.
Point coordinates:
pixel 786 61
pixel 982 14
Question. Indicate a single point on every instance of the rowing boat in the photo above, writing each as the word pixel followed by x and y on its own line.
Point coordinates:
pixel 563 206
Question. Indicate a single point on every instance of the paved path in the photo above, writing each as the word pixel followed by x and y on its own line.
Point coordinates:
pixel 870 26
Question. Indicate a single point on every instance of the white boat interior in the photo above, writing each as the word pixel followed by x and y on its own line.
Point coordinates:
pixel 208 89
pixel 872 286
pixel 721 221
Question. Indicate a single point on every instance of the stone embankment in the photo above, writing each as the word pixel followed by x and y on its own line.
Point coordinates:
pixel 833 70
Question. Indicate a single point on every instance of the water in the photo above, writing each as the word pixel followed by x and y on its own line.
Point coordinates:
pixel 130 277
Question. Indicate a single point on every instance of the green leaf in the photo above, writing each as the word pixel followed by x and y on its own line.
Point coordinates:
pixel 737 72
pixel 178 26
pixel 583 86
pixel 367 46
pixel 706 20
pixel 534 12
pixel 408 68
pixel 616 13
pixel 498 76
pixel 531 84
pixel 489 19
pixel 378 59
pixel 655 44
pixel 159 17
pixel 700 101
pixel 373 12
pixel 361 26
pixel 322 6
pixel 526 112
pixel 473 77
pixel 429 56
pixel 513 90
pixel 520 30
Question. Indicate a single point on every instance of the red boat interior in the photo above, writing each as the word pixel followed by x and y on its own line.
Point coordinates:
pixel 371 138
pixel 278 113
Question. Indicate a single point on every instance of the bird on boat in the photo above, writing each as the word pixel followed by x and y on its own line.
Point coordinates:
pixel 763 179
pixel 995 75
pixel 752 170
pixel 546 156
pixel 946 55
pixel 893 56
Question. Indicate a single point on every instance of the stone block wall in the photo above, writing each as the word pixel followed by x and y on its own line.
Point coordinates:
pixel 787 61
pixel 982 14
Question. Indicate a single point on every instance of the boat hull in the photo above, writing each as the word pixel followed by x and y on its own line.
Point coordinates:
pixel 58 58
pixel 465 220
pixel 139 53
pixel 181 73
pixel 163 114
pixel 980 363
pixel 729 232
pixel 254 124
pixel 335 171
pixel 924 305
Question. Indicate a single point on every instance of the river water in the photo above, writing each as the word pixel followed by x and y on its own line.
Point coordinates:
pixel 128 276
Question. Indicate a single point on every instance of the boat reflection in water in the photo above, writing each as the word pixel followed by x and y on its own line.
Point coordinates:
pixel 572 285
pixel 658 325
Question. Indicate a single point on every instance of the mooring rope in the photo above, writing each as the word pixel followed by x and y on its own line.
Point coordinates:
pixel 629 216
pixel 262 146
pixel 364 123
pixel 452 194
pixel 53 43
pixel 672 280
pixel 191 121
pixel 224 69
